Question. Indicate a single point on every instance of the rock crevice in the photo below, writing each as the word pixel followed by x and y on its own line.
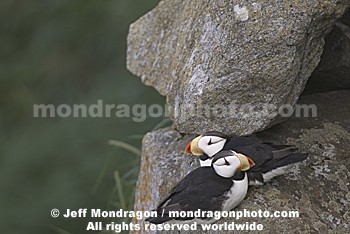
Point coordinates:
pixel 221 64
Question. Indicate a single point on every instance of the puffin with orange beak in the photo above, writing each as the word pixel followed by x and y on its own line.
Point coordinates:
pixel 270 160
pixel 219 187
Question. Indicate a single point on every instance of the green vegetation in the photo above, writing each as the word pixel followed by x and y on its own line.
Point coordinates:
pixel 70 52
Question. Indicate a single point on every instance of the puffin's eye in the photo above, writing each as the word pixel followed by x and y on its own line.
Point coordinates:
pixel 226 162
pixel 210 143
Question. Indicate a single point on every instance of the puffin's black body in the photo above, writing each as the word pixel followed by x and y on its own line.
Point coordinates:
pixel 267 156
pixel 201 189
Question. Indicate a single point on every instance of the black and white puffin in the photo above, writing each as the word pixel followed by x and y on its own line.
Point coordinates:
pixel 270 160
pixel 219 187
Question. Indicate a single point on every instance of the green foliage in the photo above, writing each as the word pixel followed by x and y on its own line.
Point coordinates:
pixel 126 146
pixel 63 51
pixel 125 185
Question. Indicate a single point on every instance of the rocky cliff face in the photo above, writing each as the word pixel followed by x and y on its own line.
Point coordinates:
pixel 206 56
pixel 318 188
pixel 225 54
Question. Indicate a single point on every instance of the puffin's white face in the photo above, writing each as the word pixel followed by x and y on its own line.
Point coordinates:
pixel 226 163
pixel 211 145
pixel 227 166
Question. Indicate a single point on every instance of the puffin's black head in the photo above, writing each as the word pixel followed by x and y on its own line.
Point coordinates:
pixel 216 134
pixel 226 163
pixel 208 143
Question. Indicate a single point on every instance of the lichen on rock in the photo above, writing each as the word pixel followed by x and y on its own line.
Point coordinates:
pixel 224 53
pixel 216 55
pixel 318 188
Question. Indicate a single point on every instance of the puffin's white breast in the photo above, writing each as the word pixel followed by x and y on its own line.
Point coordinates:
pixel 206 163
pixel 236 194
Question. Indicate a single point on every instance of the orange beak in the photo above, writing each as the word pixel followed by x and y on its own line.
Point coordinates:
pixel 246 162
pixel 188 148
pixel 193 148
pixel 251 162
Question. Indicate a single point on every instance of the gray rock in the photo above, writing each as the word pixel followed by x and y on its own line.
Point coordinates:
pixel 226 54
pixel 318 188
pixel 346 18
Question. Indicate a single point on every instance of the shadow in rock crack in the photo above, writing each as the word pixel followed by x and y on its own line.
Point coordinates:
pixel 333 71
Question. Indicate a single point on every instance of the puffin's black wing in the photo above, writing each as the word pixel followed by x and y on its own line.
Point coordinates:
pixel 201 189
pixel 252 147
pixel 267 156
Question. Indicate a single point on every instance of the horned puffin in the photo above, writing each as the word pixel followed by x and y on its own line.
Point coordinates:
pixel 270 160
pixel 219 187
